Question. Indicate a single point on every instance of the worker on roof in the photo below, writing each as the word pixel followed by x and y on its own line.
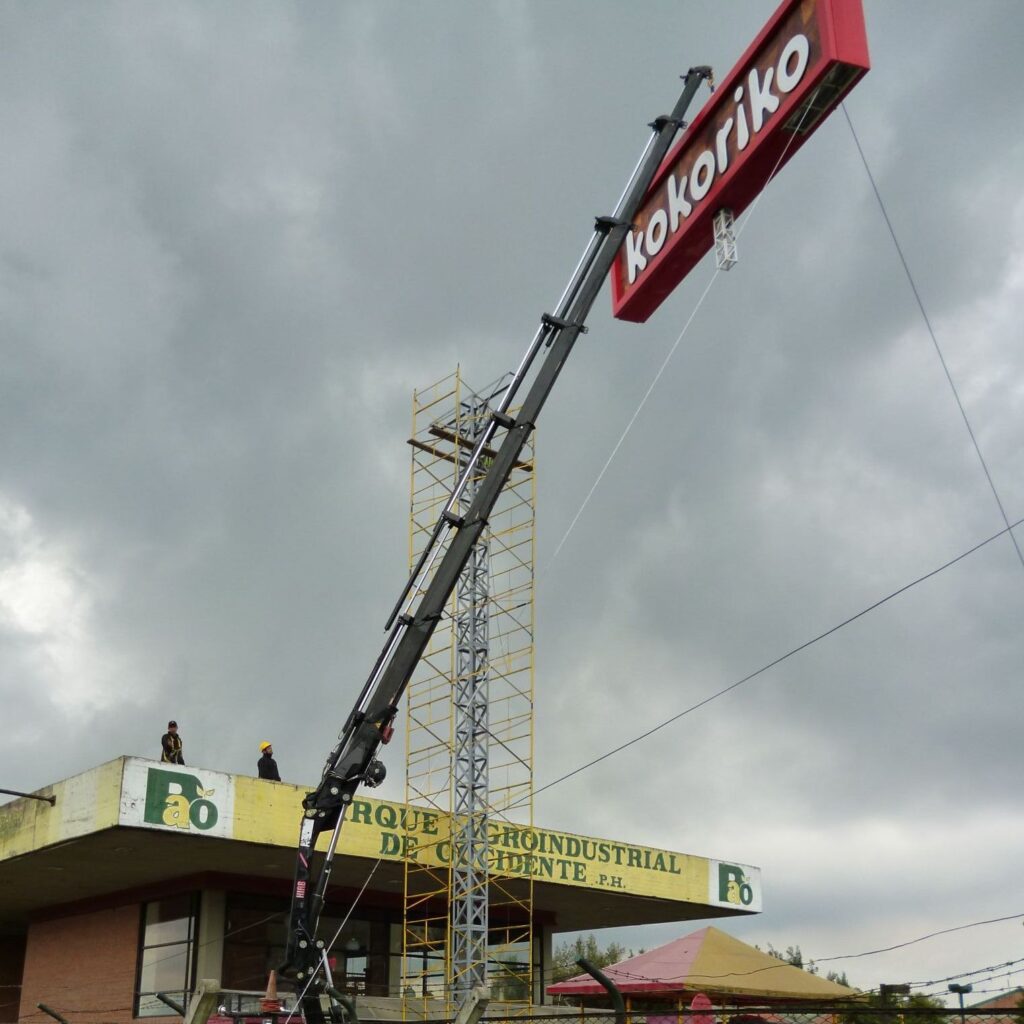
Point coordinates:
pixel 170 745
pixel 266 767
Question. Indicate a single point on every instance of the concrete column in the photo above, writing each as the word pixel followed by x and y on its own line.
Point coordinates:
pixel 212 925
pixel 395 967
pixel 544 939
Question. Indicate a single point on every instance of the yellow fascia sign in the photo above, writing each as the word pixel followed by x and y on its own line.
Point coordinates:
pixel 201 802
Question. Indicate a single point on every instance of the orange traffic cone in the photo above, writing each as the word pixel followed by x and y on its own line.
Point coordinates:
pixel 270 1003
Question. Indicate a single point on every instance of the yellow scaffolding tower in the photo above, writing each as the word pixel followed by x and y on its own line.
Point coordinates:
pixel 470 921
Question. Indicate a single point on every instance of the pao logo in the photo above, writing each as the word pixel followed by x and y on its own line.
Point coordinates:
pixel 178 799
pixel 735 886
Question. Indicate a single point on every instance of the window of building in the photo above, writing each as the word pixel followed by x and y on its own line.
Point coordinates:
pixel 167 953
pixel 255 936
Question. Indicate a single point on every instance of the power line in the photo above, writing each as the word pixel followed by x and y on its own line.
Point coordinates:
pixel 739 682
pixel 968 974
pixel 152 963
pixel 235 931
pixel 715 696
pixel 746 679
pixel 733 974
pixel 849 956
pixel 330 945
pixel 682 334
pixel 1008 526
pixel 777 661
pixel 633 418
pixel 930 935
pixel 977 981
pixel 931 333
pixel 973 1010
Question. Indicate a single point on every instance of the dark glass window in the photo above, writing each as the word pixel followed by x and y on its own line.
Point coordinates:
pixel 167 953
pixel 254 946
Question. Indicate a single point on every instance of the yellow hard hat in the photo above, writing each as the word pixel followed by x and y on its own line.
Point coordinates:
pixel 264 745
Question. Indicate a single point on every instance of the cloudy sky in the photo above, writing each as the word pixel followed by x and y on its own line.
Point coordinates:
pixel 234 238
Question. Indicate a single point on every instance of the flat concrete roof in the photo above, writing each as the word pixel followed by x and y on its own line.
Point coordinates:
pixel 133 824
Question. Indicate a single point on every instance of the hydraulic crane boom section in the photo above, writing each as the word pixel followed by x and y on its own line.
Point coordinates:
pixel 353 760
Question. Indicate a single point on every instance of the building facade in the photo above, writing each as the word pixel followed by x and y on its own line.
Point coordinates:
pixel 145 877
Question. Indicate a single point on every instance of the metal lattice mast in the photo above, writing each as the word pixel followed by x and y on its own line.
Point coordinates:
pixel 469 739
pixel 470 763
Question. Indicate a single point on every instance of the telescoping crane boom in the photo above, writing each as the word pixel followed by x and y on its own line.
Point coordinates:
pixel 353 761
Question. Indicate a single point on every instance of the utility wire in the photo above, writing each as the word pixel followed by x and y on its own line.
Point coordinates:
pixel 199 945
pixel 931 333
pixel 930 935
pixel 747 678
pixel 1008 529
pixel 811 962
pixel 632 420
pixel 977 981
pixel 972 1011
pixel 676 343
pixel 269 917
pixel 782 963
pixel 330 945
pixel 778 660
pixel 152 963
pixel 849 956
pixel 968 974
pixel 1008 526
pixel 647 394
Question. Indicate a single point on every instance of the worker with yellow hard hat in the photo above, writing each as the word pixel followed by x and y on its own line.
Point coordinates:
pixel 267 766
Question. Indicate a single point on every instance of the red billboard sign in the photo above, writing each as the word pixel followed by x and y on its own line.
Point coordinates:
pixel 805 60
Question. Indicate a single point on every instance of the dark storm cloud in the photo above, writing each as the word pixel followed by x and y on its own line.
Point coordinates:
pixel 236 238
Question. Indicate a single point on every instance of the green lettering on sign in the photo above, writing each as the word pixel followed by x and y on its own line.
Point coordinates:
pixel 178 800
pixel 733 886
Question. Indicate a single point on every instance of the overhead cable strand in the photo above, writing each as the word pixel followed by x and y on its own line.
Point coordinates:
pixel 753 675
pixel 782 963
pixel 968 974
pixel 930 935
pixel 330 946
pixel 676 343
pixel 779 660
pixel 344 920
pixel 977 981
pixel 170 956
pixel 931 332
pixel 219 938
pixel 633 419
pixel 846 956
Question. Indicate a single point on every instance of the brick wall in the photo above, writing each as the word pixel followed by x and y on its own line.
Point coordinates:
pixel 84 964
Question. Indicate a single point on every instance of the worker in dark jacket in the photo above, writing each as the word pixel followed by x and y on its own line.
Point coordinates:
pixel 267 766
pixel 170 744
